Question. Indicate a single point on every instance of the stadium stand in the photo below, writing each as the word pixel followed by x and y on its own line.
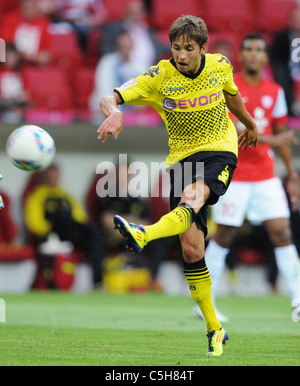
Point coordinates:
pixel 49 88
pixel 237 16
pixel 277 12
pixel 115 9
pixel 83 87
pixel 165 12
pixel 7 6
pixel 66 52
pixel 225 23
pixel 51 95
pixel 232 39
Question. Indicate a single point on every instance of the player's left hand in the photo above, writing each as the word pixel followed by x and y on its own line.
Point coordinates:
pixel 248 138
pixel 293 189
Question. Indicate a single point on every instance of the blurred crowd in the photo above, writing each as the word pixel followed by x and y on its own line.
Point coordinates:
pixel 62 56
pixel 56 225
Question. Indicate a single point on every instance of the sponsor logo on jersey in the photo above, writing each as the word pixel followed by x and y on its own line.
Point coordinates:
pixel 175 88
pixel 204 100
pixel 169 103
pixel 199 101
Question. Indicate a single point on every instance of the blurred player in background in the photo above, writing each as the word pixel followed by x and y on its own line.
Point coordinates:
pixel 255 190
pixel 14 97
pixel 187 91
pixel 85 16
pixel 49 209
pixel 28 29
pixel 114 68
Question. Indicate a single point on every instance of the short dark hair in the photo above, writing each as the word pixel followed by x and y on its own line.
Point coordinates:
pixel 191 28
pixel 252 36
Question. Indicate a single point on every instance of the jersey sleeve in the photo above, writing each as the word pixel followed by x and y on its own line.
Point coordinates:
pixel 141 90
pixel 230 87
pixel 280 111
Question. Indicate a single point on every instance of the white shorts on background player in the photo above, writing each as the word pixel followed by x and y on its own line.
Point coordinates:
pixel 256 201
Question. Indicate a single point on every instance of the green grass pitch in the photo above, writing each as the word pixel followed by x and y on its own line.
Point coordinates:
pixel 100 329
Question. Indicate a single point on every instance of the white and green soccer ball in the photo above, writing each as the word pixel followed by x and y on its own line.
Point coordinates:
pixel 30 148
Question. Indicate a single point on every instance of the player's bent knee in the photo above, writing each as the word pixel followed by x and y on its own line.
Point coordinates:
pixel 281 236
pixel 192 253
pixel 224 235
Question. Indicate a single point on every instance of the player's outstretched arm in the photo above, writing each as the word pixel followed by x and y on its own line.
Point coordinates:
pixel 236 105
pixel 113 124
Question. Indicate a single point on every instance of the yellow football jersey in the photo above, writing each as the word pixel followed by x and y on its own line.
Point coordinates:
pixel 193 108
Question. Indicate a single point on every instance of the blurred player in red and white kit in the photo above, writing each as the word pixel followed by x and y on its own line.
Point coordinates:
pixel 27 28
pixel 255 191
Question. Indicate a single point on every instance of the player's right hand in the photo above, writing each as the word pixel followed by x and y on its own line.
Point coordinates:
pixel 248 138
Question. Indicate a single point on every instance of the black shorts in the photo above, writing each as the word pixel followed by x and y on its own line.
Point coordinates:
pixel 217 172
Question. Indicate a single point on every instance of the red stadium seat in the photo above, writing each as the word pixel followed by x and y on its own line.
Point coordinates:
pixel 165 12
pixel 273 15
pixel 232 15
pixel 66 52
pixel 64 43
pixel 48 87
pixel 92 56
pixel 7 6
pixel 115 9
pixel 83 87
pixel 234 41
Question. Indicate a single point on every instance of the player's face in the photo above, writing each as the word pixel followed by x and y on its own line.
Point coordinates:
pixel 187 55
pixel 253 55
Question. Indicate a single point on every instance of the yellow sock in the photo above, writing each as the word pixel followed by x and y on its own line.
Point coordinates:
pixel 199 282
pixel 175 222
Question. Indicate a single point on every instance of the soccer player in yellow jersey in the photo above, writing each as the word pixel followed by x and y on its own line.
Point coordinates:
pixel 191 92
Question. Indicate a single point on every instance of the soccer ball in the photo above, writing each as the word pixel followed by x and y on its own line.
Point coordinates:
pixel 30 148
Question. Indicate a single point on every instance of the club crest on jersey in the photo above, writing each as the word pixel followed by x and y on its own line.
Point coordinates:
pixel 212 81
